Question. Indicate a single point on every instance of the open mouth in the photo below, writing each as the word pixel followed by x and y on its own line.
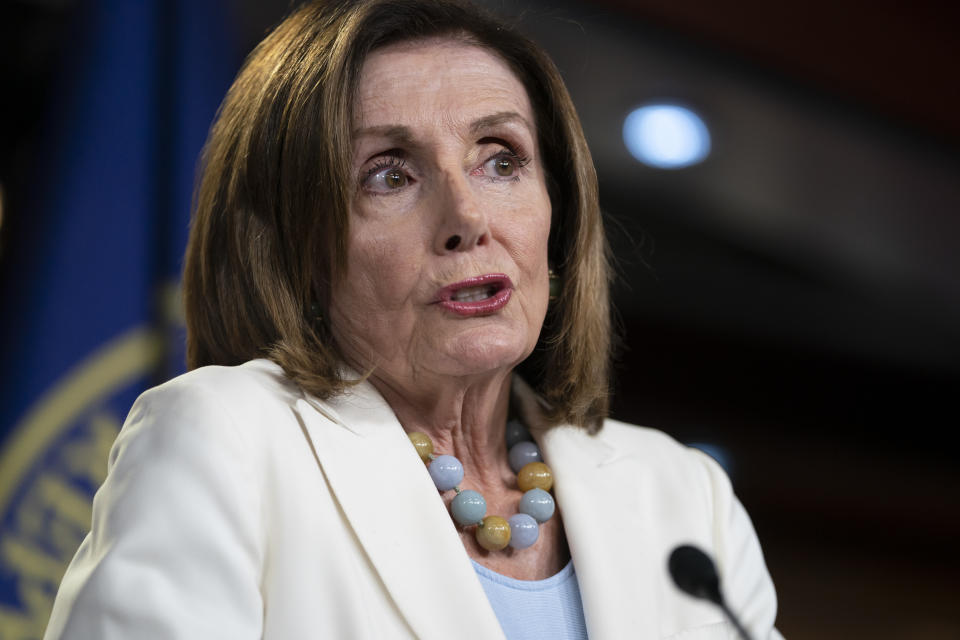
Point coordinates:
pixel 476 294
pixel 480 295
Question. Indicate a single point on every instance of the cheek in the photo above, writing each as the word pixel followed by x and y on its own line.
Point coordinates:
pixel 382 274
pixel 384 263
pixel 526 236
pixel 529 249
pixel 539 237
pixel 528 232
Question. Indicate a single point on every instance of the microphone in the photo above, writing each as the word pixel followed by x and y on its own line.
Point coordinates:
pixel 694 573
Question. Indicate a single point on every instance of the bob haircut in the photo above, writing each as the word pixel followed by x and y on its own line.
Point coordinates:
pixel 271 209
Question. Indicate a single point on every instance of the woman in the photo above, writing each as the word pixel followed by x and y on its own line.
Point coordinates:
pixel 385 192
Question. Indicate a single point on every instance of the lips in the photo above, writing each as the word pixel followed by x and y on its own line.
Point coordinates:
pixel 481 295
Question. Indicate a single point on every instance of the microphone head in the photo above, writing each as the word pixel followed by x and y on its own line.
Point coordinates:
pixel 693 572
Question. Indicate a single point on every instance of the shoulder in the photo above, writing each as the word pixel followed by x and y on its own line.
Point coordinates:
pixel 695 504
pixel 637 440
pixel 182 504
pixel 684 485
pixel 216 395
pixel 688 488
pixel 245 386
pixel 213 413
pixel 213 436
pixel 660 452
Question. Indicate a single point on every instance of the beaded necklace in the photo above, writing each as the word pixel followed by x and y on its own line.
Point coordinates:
pixel 468 507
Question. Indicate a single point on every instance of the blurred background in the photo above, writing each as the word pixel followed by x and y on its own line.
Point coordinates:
pixel 781 183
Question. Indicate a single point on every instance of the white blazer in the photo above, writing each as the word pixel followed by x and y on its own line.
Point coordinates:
pixel 238 507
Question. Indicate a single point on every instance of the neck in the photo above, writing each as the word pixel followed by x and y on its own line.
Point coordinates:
pixel 465 418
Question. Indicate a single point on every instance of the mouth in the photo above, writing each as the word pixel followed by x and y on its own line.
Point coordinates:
pixel 476 296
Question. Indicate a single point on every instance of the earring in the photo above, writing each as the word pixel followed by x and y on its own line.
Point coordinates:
pixel 315 313
pixel 554 284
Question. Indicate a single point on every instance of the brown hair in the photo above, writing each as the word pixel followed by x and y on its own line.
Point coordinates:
pixel 271 209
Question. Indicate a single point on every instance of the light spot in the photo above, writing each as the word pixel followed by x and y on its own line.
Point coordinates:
pixel 666 136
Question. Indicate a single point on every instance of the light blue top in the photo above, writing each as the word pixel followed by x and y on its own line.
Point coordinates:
pixel 536 609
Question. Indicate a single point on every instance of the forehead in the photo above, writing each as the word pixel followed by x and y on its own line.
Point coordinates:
pixel 416 82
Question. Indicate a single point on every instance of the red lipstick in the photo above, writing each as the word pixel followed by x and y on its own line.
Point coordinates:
pixel 477 296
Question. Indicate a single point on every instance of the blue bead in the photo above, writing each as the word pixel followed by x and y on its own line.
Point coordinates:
pixel 468 507
pixel 523 453
pixel 524 531
pixel 538 504
pixel 516 432
pixel 446 471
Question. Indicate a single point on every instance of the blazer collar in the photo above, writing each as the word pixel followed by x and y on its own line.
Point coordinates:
pixel 599 493
pixel 398 516
pixel 402 523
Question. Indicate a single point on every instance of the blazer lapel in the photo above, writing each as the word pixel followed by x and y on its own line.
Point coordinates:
pixel 600 497
pixel 402 524
pixel 602 516
pixel 400 520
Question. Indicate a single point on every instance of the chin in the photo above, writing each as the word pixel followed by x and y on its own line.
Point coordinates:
pixel 491 352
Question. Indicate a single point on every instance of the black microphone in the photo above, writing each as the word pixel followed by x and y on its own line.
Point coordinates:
pixel 693 572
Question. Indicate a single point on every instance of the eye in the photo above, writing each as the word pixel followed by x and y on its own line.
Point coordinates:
pixel 505 164
pixel 393 178
pixel 387 175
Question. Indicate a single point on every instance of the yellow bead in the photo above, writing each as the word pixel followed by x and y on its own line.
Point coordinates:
pixel 423 444
pixel 493 533
pixel 535 475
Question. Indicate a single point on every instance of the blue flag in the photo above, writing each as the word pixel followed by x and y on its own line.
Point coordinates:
pixel 89 293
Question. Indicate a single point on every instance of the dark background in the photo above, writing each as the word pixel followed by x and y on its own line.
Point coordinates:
pixel 794 300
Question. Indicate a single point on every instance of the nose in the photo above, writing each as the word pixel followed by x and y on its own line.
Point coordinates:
pixel 463 222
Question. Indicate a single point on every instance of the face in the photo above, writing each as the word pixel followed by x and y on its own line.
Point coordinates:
pixel 447 256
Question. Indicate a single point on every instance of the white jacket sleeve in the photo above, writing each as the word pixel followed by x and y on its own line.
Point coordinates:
pixel 744 579
pixel 174 548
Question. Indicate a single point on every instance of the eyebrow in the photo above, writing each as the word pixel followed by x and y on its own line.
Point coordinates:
pixel 496 119
pixel 392 131
pixel 403 134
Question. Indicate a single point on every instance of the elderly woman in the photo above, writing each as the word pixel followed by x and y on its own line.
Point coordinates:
pixel 395 425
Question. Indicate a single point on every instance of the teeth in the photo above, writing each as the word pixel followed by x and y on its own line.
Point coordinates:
pixel 473 294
